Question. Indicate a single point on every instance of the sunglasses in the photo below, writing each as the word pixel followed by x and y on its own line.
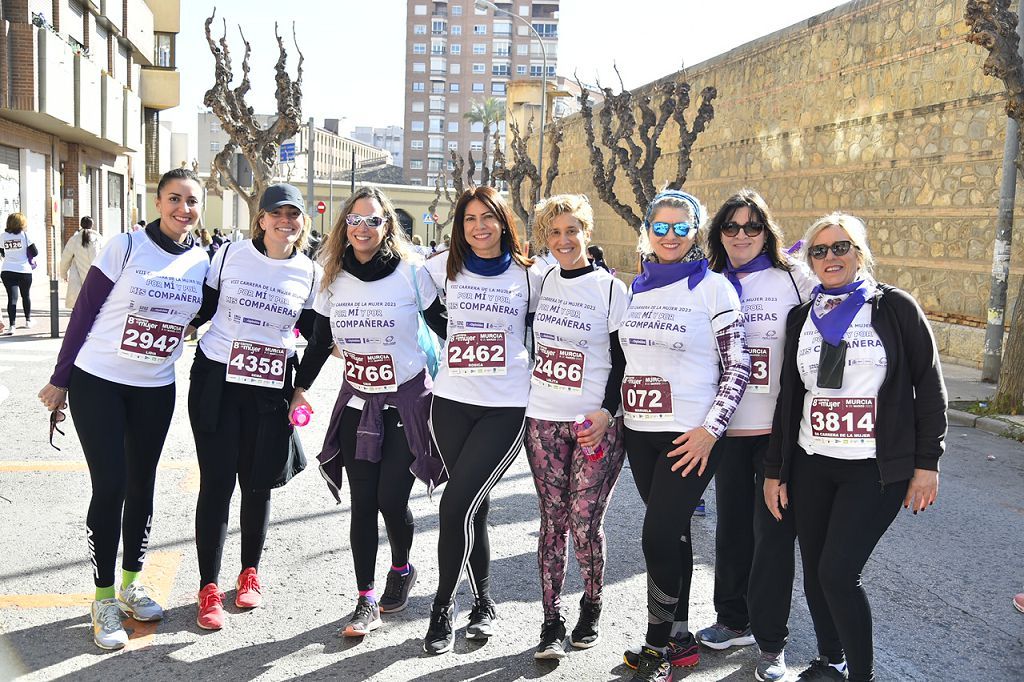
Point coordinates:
pixel 731 229
pixel 840 248
pixel 56 417
pixel 353 219
pixel 681 229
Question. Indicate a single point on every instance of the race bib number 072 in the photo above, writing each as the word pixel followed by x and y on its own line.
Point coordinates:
pixel 257 364
pixel 647 398
pixel 476 354
pixel 151 341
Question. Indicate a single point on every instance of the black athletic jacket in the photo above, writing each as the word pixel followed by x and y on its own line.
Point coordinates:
pixel 910 424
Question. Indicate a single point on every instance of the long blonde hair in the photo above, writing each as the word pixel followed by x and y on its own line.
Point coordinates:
pixel 395 241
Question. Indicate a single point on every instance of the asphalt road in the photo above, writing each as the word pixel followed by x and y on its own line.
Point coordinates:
pixel 940 583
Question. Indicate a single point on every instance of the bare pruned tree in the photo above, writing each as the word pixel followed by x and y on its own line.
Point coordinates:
pixel 441 188
pixel 522 173
pixel 260 146
pixel 994 27
pixel 630 129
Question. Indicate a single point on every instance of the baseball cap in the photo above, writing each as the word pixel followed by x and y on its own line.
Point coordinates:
pixel 280 195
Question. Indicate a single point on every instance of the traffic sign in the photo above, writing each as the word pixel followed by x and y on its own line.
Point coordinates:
pixel 428 219
pixel 321 207
pixel 287 152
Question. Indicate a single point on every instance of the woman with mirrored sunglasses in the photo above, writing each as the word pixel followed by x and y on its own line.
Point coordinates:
pixel 686 371
pixel 116 366
pixel 240 385
pixel 368 308
pixel 858 431
pixel 753 553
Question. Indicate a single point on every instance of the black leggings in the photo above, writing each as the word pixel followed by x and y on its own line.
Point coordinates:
pixel 670 501
pixel 13 283
pixel 224 454
pixel 378 487
pixel 842 510
pixel 477 445
pixel 122 431
pixel 754 558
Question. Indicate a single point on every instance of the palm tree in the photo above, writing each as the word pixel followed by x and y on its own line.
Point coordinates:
pixel 488 112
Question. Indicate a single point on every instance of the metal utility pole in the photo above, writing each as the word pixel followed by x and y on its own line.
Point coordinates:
pixel 352 180
pixel 1001 248
pixel 310 199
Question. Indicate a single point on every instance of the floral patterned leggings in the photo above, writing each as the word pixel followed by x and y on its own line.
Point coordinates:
pixel 574 495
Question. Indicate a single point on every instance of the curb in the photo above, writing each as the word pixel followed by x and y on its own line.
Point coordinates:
pixel 991 425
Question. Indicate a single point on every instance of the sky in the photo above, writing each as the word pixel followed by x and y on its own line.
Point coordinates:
pixel 355 54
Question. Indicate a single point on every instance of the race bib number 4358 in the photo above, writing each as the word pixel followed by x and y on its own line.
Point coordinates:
pixel 843 422
pixel 647 398
pixel 560 369
pixel 257 364
pixel 150 341
pixel 476 353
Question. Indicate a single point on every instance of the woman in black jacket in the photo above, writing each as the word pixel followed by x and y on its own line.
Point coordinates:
pixel 860 369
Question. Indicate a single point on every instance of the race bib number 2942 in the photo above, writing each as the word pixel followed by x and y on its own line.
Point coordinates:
pixel 152 341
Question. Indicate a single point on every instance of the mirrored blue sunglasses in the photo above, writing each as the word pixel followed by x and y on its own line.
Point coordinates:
pixel 681 229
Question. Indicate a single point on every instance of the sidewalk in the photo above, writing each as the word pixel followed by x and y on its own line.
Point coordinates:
pixel 964 383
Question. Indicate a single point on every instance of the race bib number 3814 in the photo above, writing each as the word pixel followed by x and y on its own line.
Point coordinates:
pixel 256 364
pixel 843 422
pixel 151 341
pixel 476 353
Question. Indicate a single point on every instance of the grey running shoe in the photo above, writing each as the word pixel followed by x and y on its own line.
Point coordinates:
pixel 440 637
pixel 107 631
pixel 721 637
pixel 770 667
pixel 365 619
pixel 135 602
pixel 396 593
pixel 481 619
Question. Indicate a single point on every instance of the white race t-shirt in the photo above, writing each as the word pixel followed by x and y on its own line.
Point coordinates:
pixel 768 296
pixel 260 299
pixel 840 422
pixel 572 357
pixel 137 334
pixel 485 359
pixel 672 358
pixel 374 325
pixel 15 248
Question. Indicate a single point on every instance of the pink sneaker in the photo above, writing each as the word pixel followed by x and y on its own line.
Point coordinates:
pixel 1018 602
pixel 211 608
pixel 248 596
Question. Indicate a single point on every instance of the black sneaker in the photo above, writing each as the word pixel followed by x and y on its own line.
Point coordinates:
pixel 653 666
pixel 819 669
pixel 481 619
pixel 585 634
pixel 440 634
pixel 364 620
pixel 396 593
pixel 552 634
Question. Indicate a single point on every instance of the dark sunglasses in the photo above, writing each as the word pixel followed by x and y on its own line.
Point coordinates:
pixel 840 248
pixel 681 229
pixel 354 219
pixel 731 229
pixel 56 417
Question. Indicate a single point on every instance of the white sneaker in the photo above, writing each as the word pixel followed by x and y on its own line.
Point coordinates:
pixel 107 631
pixel 27 324
pixel 135 602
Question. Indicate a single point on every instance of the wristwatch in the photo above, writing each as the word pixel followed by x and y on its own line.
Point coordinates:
pixel 611 417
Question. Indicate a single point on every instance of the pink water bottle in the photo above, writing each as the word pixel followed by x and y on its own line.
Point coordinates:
pixel 592 454
pixel 301 415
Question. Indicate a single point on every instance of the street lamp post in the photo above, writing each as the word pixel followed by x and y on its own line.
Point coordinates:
pixel 485 4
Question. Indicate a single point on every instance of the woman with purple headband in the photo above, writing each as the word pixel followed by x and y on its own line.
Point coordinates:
pixel 686 371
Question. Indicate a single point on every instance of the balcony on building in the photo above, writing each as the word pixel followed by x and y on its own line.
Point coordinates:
pixel 544 10
pixel 111 14
pixel 138 30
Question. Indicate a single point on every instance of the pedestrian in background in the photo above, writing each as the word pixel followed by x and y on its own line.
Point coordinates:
pixel 79 253
pixel 858 431
pixel 19 254
pixel 116 367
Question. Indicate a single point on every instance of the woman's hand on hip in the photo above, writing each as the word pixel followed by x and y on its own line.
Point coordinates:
pixel 693 451
pixel 776 497
pixel 922 491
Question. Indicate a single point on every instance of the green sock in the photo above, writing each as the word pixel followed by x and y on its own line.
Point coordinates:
pixel 128 577
pixel 104 593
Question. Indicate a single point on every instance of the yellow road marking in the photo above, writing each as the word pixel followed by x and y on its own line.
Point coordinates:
pixel 189 484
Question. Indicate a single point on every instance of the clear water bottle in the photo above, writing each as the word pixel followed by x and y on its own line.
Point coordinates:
pixel 301 415
pixel 592 454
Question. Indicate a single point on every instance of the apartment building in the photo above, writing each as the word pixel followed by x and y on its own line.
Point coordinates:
pixel 391 138
pixel 457 55
pixel 82 84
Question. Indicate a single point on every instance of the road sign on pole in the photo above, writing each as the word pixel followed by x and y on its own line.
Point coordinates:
pixel 321 207
pixel 428 219
pixel 287 152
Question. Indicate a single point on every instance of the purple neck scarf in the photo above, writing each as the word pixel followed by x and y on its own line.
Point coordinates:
pixel 656 275
pixel 835 323
pixel 761 262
